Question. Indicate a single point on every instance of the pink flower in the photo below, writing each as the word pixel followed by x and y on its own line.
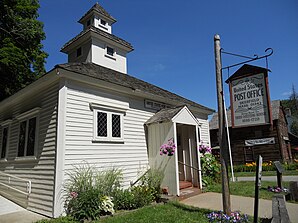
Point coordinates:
pixel 74 194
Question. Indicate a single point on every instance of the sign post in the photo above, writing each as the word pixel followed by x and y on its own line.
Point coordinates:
pixel 257 187
pixel 224 158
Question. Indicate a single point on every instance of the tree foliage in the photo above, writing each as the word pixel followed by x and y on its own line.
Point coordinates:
pixel 21 53
pixel 292 104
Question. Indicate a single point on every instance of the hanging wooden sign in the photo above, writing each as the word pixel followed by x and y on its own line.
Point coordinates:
pixel 249 96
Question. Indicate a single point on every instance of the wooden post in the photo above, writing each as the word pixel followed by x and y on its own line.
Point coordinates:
pixel 222 132
pixel 257 187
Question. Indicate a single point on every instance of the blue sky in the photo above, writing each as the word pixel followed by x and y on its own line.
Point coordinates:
pixel 173 40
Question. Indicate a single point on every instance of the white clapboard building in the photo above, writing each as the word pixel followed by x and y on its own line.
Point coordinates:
pixel 90 110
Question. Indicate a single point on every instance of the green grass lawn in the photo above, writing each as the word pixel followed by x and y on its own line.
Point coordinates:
pixel 172 212
pixel 168 213
pixel 247 188
pixel 266 173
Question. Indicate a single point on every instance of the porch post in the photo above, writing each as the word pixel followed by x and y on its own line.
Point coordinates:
pixel 199 158
pixel 190 158
pixel 176 159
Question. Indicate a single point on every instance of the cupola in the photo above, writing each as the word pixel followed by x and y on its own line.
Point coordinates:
pixel 96 43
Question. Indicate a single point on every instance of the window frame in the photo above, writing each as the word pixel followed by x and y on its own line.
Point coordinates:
pixel 4 125
pixel 109 137
pixel 26 117
pixel 109 107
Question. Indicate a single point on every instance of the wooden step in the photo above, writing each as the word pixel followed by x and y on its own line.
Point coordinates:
pixel 184 184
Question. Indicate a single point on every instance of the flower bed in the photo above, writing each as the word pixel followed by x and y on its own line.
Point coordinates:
pixel 220 216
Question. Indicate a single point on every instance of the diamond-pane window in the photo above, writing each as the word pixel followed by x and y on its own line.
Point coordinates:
pixel 116 126
pixel 27 131
pixel 108 126
pixel 102 124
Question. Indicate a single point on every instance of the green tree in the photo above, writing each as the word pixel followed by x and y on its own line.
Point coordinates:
pixel 21 53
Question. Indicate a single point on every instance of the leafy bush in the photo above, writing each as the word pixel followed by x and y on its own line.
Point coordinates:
pixel 108 181
pixel 88 192
pixel 210 166
pixel 85 206
pixel 124 200
pixel 152 180
pixel 143 194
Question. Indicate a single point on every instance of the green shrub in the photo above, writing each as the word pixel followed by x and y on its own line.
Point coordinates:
pixel 210 169
pixel 88 192
pixel 108 181
pixel 124 200
pixel 142 196
pixel 132 198
pixel 85 206
pixel 152 180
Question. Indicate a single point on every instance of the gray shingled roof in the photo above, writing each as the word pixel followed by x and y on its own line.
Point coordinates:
pixel 100 32
pixel 98 8
pixel 165 114
pixel 213 124
pixel 115 77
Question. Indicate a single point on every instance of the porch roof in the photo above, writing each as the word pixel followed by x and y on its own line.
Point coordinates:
pixel 179 114
pixel 163 115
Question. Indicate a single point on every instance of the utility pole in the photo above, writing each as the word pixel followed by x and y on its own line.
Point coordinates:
pixel 222 132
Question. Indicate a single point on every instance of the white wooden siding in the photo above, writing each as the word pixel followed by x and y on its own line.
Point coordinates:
pixel 158 134
pixel 130 156
pixel 42 170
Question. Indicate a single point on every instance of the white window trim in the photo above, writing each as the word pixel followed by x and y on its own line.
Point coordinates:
pixel 5 124
pixel 26 116
pixel 118 108
pixel 109 138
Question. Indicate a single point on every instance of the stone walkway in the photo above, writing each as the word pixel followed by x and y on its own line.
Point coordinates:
pixel 213 201
pixel 13 213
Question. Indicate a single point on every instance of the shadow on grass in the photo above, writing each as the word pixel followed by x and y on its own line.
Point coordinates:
pixel 266 220
pixel 189 208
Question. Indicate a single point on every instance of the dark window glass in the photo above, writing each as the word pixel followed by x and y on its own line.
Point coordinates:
pixel 4 142
pixel 110 51
pixel 22 136
pixel 89 22
pixel 31 137
pixel 79 52
pixel 102 124
pixel 248 154
pixel 199 135
pixel 103 22
pixel 116 126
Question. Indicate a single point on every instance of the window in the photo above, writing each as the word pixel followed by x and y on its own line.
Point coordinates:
pixel 79 51
pixel 108 126
pixel 27 137
pixel 103 22
pixel 248 154
pixel 4 142
pixel 88 22
pixel 110 51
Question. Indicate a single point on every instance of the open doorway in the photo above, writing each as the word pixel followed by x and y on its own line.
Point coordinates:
pixel 187 156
